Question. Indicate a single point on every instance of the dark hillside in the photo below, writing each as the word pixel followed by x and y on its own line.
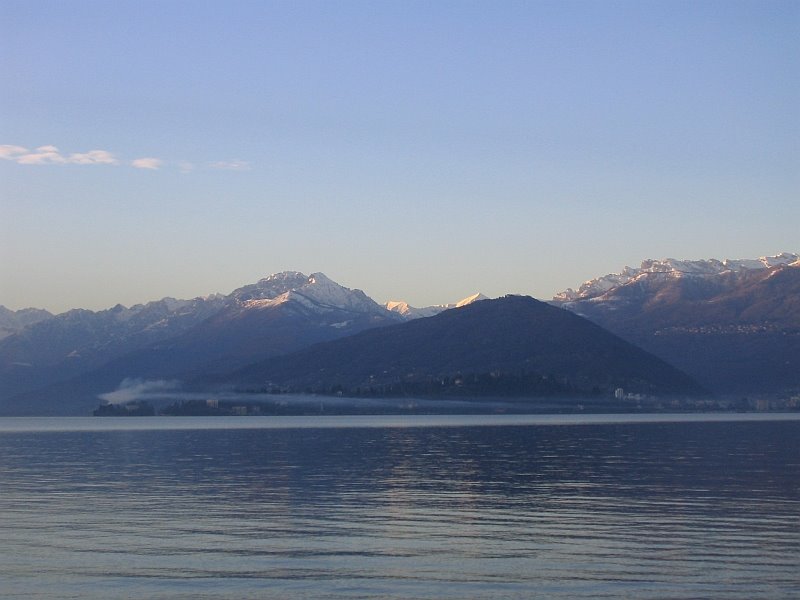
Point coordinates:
pixel 525 346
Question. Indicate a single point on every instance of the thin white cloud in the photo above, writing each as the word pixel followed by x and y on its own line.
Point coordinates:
pixel 231 165
pixel 147 162
pixel 9 152
pixel 50 155
pixel 93 157
pixel 41 156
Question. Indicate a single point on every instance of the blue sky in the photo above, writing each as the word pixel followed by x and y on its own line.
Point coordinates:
pixel 416 150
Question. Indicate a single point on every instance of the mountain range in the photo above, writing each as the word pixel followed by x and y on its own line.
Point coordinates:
pixel 409 312
pixel 12 322
pixel 78 354
pixel 733 326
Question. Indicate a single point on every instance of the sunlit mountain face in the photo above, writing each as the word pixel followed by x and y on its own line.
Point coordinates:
pixel 733 325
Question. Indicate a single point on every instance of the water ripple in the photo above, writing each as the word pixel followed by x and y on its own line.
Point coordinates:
pixel 595 510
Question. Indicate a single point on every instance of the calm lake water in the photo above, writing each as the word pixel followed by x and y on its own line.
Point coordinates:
pixel 687 506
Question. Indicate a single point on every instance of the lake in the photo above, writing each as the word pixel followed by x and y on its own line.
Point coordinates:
pixel 557 506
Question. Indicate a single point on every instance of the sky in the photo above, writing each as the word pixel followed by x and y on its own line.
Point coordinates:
pixel 420 151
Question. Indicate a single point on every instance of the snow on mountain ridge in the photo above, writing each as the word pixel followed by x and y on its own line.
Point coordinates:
pixel 322 291
pixel 410 312
pixel 316 292
pixel 270 287
pixel 12 321
pixel 670 267
pixel 470 299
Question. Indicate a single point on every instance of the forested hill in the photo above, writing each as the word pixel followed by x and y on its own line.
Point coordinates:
pixel 510 346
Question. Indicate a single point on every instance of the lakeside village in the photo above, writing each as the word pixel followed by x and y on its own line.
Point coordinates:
pixel 298 405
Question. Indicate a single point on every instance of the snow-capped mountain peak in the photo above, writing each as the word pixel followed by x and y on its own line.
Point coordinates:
pixel 405 310
pixel 470 299
pixel 270 287
pixel 316 292
pixel 672 268
pixel 410 312
pixel 321 294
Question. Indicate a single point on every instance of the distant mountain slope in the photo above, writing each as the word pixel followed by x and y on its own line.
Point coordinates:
pixel 278 314
pixel 181 338
pixel 77 341
pixel 514 345
pixel 672 269
pixel 12 321
pixel 410 312
pixel 733 325
pixel 310 310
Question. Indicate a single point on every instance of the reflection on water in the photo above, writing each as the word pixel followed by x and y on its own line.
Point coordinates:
pixel 660 510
